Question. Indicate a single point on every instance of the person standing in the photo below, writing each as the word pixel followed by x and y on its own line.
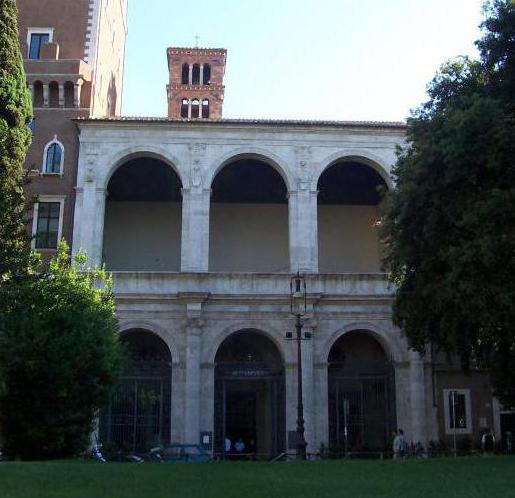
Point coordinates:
pixel 396 448
pixel 488 442
pixel 227 445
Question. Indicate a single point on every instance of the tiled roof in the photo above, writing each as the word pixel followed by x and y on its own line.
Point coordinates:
pixel 261 122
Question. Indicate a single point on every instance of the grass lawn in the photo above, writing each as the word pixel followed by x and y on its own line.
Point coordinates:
pixel 464 477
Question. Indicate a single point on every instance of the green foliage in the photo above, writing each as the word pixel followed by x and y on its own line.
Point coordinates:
pixel 449 224
pixel 60 356
pixel 15 114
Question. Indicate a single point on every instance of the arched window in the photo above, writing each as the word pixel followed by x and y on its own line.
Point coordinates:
pixel 195 79
pixel 53 94
pixel 53 158
pixel 205 108
pixel 184 108
pixel 37 98
pixel 207 74
pixel 195 108
pixel 185 73
pixel 69 96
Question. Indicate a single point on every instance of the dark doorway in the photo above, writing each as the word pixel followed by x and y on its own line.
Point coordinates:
pixel 250 395
pixel 138 415
pixel 361 395
pixel 508 432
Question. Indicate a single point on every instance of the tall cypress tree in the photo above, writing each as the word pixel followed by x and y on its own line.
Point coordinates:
pixel 15 137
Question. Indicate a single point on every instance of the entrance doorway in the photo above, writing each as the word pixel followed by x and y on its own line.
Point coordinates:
pixel 250 395
pixel 361 395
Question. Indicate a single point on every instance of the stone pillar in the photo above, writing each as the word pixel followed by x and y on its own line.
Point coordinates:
pixel 189 108
pixel 201 74
pixel 45 94
pixel 192 383
pixel 302 207
pixel 195 215
pixel 190 75
pixel 76 94
pixel 31 90
pixel 88 228
pixel 302 212
pixel 195 230
pixel 61 94
pixel 417 398
pixel 308 389
pixel 321 397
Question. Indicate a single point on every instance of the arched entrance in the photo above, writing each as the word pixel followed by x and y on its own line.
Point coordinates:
pixel 139 413
pixel 348 199
pixel 361 394
pixel 250 394
pixel 142 227
pixel 248 218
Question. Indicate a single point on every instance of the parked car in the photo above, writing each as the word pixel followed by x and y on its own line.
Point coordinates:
pixel 181 453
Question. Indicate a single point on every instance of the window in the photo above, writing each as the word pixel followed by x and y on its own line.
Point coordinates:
pixel 53 157
pixel 195 108
pixel 457 411
pixel 184 108
pixel 195 79
pixel 185 74
pixel 207 74
pixel 205 108
pixel 47 222
pixel 37 37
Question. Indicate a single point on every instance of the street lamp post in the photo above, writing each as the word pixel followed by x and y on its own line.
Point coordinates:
pixel 298 308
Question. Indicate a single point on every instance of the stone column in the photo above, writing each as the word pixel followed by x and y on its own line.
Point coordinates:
pixel 88 228
pixel 302 212
pixel 189 108
pixel 201 74
pixel 76 93
pixel 195 216
pixel 308 389
pixel 321 402
pixel 61 94
pixel 45 94
pixel 417 397
pixel 31 90
pixel 192 383
pixel 190 75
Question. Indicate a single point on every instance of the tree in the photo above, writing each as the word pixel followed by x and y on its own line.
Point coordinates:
pixel 60 356
pixel 449 224
pixel 15 114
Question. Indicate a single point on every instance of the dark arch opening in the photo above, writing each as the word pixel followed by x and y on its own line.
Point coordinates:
pixel 206 79
pixel 195 78
pixel 205 108
pixel 142 228
pixel 38 100
pixel 249 218
pixel 69 94
pixel 195 108
pixel 185 76
pixel 184 108
pixel 348 210
pixel 250 400
pixel 53 94
pixel 139 413
pixel 361 384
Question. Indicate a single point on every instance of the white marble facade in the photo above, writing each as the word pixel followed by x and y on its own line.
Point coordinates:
pixel 193 310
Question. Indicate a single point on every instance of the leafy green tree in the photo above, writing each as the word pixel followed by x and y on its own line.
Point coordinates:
pixel 60 356
pixel 15 114
pixel 449 224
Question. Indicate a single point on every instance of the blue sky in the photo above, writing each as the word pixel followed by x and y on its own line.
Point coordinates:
pixel 304 59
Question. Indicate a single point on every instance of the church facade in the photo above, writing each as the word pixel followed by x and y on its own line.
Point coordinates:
pixel 202 221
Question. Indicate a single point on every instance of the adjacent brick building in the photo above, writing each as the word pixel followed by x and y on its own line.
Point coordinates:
pixel 74 60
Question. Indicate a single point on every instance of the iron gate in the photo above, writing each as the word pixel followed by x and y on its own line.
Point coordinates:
pixel 138 416
pixel 361 412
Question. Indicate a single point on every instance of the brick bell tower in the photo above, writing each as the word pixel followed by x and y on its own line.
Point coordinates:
pixel 196 89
